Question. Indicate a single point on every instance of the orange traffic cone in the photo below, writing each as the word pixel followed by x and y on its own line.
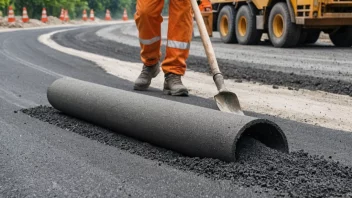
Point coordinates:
pixel 107 15
pixel 11 18
pixel 25 17
pixel 92 17
pixel 62 15
pixel 125 16
pixel 84 17
pixel 67 17
pixel 44 16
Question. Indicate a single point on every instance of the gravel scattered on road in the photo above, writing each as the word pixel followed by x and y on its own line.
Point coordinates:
pixel 297 174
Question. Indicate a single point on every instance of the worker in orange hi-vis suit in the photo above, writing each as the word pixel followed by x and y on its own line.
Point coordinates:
pixel 205 5
pixel 148 21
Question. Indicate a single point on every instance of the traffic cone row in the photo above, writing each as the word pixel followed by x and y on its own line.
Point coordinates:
pixel 63 15
pixel 25 17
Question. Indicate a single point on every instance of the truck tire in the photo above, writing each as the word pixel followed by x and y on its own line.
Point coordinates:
pixel 312 36
pixel 309 36
pixel 303 38
pixel 342 37
pixel 282 32
pixel 226 24
pixel 246 29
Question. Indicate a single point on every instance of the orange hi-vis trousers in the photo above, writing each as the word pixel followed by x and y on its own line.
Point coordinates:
pixel 148 20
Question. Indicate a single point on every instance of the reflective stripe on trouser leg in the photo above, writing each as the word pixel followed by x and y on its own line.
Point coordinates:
pixel 148 21
pixel 149 41
pixel 178 44
pixel 179 37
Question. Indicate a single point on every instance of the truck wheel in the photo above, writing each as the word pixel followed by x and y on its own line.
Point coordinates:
pixel 312 36
pixel 342 37
pixel 246 29
pixel 226 24
pixel 282 32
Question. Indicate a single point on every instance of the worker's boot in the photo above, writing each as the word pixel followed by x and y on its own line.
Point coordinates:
pixel 173 85
pixel 145 78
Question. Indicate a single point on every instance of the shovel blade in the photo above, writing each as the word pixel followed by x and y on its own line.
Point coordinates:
pixel 228 102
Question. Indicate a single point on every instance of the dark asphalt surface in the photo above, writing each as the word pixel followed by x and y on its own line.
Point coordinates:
pixel 44 160
pixel 89 41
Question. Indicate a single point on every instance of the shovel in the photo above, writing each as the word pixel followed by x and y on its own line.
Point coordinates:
pixel 225 100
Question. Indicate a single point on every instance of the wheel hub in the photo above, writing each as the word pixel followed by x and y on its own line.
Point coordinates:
pixel 242 26
pixel 278 25
pixel 224 25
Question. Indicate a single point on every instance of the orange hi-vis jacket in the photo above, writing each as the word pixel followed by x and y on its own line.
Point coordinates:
pixel 205 6
pixel 148 20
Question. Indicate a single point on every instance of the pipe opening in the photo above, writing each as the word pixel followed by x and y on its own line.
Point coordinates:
pixel 265 132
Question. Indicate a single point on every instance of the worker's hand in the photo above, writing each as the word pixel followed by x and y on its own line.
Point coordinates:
pixel 199 2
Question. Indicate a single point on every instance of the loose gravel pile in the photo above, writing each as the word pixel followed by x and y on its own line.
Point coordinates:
pixel 37 23
pixel 33 23
pixel 54 20
pixel 290 175
pixel 19 24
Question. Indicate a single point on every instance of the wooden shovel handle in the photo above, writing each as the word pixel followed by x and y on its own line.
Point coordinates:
pixel 206 40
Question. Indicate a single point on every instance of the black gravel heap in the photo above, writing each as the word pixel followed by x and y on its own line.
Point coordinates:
pixel 290 175
pixel 87 40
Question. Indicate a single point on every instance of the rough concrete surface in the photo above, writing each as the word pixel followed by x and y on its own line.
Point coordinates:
pixel 290 175
pixel 38 159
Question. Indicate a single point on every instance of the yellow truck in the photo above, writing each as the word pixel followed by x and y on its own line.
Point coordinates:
pixel 288 23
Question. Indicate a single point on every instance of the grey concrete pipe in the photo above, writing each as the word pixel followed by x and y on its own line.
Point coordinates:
pixel 187 129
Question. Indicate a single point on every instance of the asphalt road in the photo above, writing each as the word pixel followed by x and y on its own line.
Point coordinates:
pixel 314 67
pixel 38 159
pixel 321 59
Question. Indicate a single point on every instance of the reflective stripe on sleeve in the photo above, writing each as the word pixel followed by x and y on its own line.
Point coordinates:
pixel 149 41
pixel 178 44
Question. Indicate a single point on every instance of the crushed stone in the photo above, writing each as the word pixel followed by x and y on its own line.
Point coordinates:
pixel 52 20
pixel 296 174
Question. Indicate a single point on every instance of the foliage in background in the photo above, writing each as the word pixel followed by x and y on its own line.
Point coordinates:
pixel 75 7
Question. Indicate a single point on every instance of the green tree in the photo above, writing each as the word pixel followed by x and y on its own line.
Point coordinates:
pixel 4 4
